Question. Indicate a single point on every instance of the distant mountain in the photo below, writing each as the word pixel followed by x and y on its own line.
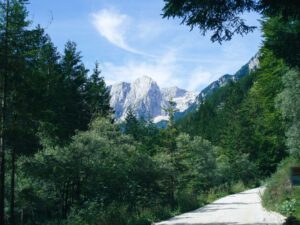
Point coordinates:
pixel 147 100
pixel 252 65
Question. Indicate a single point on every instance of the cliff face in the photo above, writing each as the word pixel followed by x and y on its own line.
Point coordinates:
pixel 147 100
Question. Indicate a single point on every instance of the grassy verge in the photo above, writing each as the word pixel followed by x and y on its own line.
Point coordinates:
pixel 280 195
pixel 117 214
pixel 188 201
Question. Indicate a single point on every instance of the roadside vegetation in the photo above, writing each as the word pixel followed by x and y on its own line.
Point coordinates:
pixel 280 195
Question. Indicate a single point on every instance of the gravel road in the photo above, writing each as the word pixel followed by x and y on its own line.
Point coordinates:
pixel 239 209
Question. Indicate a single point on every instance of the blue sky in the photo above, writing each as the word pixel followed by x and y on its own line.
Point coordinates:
pixel 130 39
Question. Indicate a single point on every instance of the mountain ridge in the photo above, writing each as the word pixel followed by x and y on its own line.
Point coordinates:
pixel 147 100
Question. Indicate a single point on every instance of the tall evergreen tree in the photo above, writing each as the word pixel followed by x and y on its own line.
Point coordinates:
pixel 132 125
pixel 169 140
pixel 13 24
pixel 98 95
pixel 74 113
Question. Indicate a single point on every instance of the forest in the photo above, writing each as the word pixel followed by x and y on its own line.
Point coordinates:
pixel 65 161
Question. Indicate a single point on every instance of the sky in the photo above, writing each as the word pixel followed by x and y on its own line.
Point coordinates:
pixel 130 39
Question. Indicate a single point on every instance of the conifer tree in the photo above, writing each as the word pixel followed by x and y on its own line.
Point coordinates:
pixel 98 95
pixel 12 35
pixel 133 125
pixel 74 114
pixel 170 143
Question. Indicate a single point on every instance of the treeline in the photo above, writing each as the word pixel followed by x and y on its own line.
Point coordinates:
pixel 63 161
pixel 46 96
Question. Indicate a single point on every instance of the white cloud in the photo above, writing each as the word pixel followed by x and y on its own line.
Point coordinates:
pixel 115 28
pixel 162 70
pixel 165 70
pixel 186 60
pixel 199 78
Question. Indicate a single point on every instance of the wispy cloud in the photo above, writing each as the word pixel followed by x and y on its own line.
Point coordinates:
pixel 182 59
pixel 114 27
pixel 165 70
pixel 162 70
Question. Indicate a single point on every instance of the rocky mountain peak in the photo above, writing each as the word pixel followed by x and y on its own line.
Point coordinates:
pixel 146 99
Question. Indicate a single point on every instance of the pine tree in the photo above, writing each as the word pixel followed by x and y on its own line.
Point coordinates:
pixel 132 125
pixel 98 95
pixel 74 112
pixel 13 24
pixel 170 143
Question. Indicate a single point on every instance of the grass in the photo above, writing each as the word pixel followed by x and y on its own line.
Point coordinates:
pixel 116 214
pixel 280 195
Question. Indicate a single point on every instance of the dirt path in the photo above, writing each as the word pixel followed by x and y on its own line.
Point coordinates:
pixel 239 209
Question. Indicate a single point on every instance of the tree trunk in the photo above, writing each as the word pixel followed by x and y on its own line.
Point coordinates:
pixel 12 199
pixel 3 87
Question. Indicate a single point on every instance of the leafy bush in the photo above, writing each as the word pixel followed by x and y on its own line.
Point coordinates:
pixel 161 213
pixel 238 187
pixel 187 201
pixel 145 217
pixel 279 194
pixel 216 193
pixel 288 207
pixel 92 214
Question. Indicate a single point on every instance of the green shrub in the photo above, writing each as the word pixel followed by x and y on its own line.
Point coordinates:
pixel 161 213
pixel 288 207
pixel 187 201
pixel 279 194
pixel 144 217
pixel 238 187
pixel 93 215
pixel 216 193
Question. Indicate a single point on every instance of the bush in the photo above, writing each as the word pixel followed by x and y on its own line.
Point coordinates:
pixel 93 215
pixel 217 193
pixel 187 201
pixel 288 207
pixel 145 217
pixel 279 194
pixel 238 187
pixel 161 213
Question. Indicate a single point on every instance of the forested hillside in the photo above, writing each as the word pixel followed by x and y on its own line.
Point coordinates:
pixel 242 117
pixel 64 160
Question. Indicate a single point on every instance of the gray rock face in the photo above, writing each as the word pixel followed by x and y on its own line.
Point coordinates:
pixel 145 98
pixel 118 93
